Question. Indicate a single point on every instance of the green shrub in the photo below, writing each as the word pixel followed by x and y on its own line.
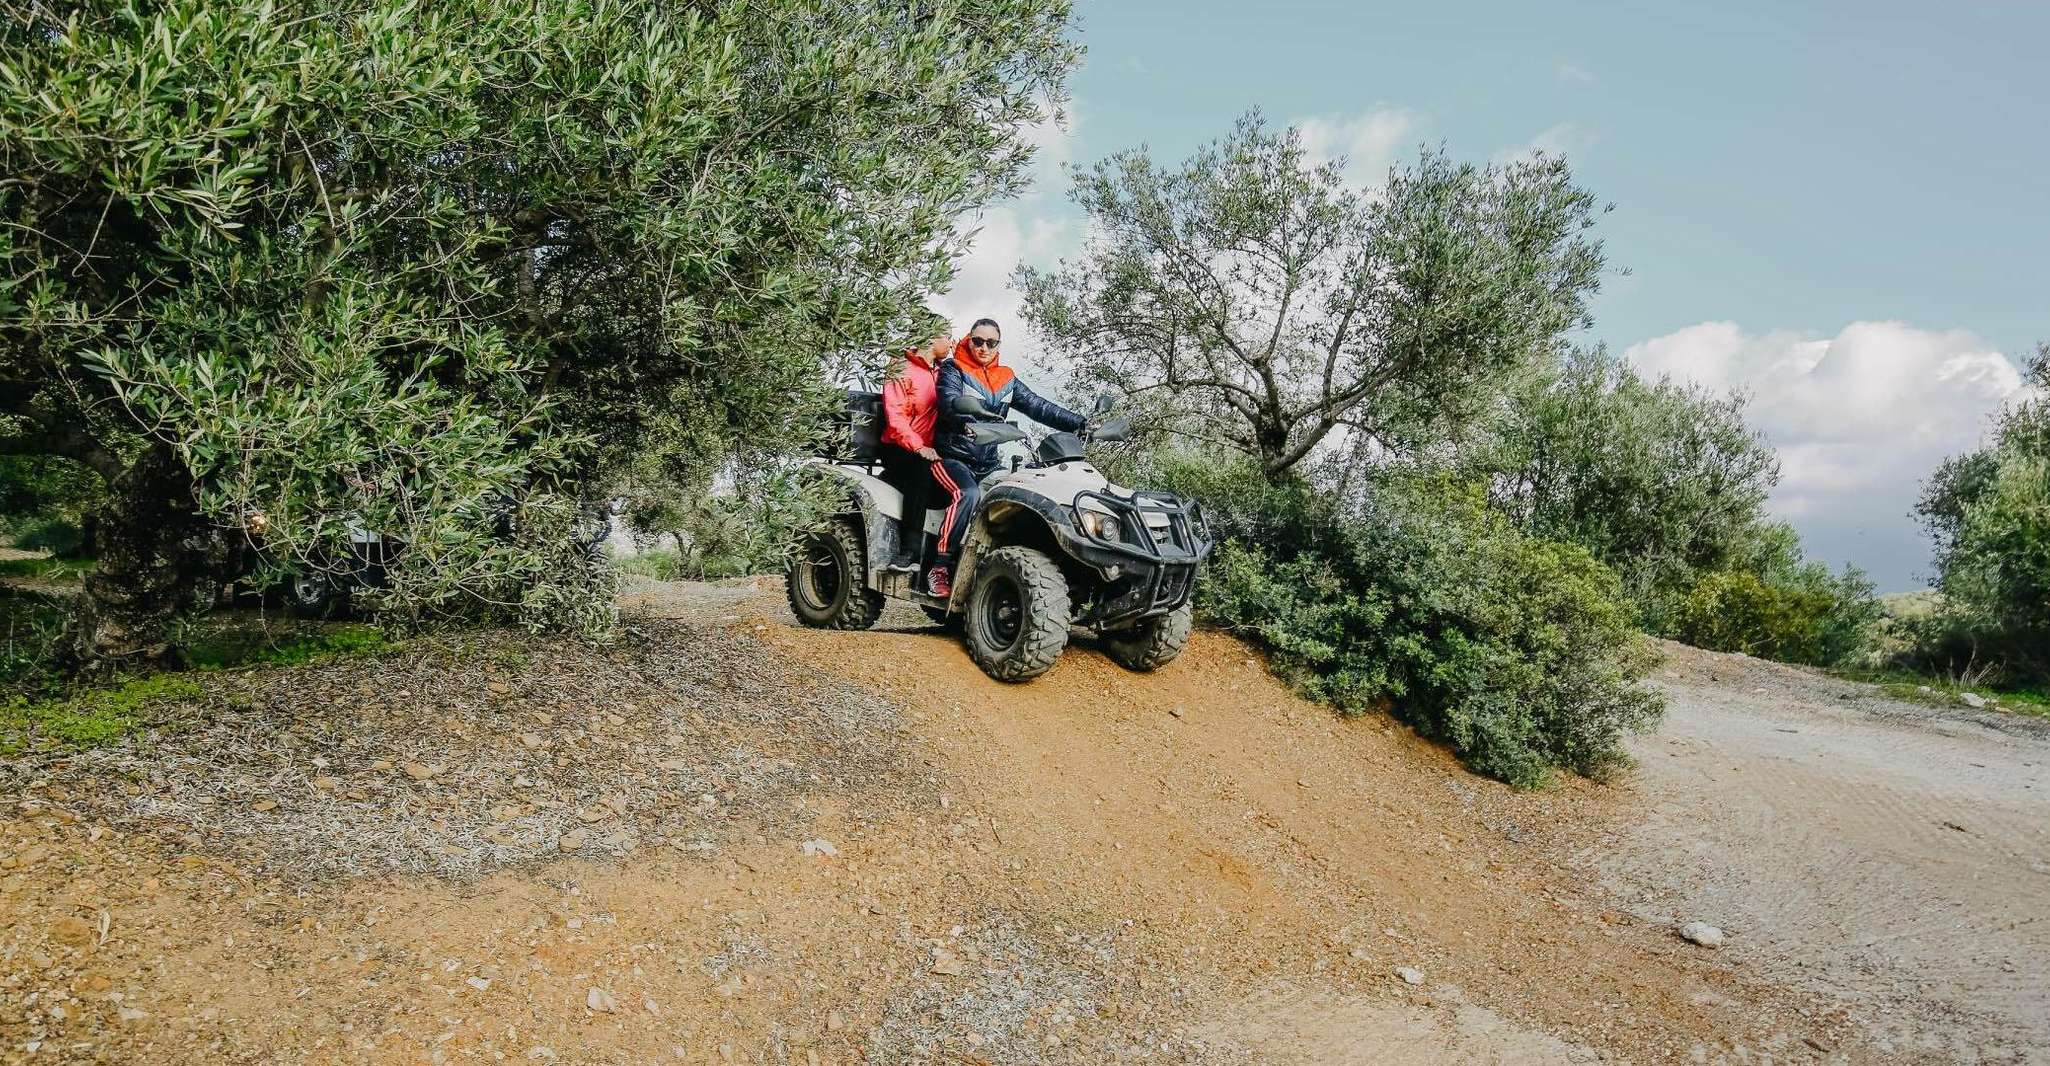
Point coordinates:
pixel 1989 513
pixel 1660 481
pixel 1805 616
pixel 1518 653
pixel 60 537
pixel 1666 484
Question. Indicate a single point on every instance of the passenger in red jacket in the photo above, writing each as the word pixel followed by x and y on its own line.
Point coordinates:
pixel 908 456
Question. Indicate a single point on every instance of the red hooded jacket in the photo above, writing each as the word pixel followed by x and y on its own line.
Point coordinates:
pixel 909 402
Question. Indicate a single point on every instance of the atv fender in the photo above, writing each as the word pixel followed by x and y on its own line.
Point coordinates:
pixel 880 507
pixel 1062 539
pixel 1005 506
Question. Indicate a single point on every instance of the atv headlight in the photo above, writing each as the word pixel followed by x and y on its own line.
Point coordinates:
pixel 1102 526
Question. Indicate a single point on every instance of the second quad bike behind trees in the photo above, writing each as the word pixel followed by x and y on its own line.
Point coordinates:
pixel 1052 544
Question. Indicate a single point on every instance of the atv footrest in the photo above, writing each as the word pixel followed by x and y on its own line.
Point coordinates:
pixel 899 585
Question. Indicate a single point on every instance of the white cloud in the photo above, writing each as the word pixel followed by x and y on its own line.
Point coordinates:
pixel 1370 143
pixel 1860 419
pixel 1575 74
pixel 1563 139
pixel 1029 229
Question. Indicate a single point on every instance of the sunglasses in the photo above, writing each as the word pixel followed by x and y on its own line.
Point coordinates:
pixel 984 342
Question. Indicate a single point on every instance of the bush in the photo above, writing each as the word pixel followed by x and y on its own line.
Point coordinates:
pixel 1806 617
pixel 60 537
pixel 1660 481
pixel 1518 653
pixel 1989 513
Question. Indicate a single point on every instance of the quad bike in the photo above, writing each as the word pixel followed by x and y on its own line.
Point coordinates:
pixel 1052 543
pixel 326 586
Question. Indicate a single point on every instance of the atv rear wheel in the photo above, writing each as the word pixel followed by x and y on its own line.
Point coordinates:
pixel 1017 617
pixel 826 580
pixel 316 596
pixel 1153 643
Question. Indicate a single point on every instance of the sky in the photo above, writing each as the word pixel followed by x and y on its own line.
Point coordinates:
pixel 1841 209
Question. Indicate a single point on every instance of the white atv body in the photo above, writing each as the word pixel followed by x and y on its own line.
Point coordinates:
pixel 1052 543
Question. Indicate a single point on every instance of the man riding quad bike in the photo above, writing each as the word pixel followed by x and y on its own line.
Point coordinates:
pixel 1051 542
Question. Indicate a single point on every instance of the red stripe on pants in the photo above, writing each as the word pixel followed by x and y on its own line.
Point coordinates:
pixel 939 473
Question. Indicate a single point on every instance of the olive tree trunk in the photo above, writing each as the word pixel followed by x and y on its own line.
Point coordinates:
pixel 150 539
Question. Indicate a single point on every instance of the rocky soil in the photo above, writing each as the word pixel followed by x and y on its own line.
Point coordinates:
pixel 729 840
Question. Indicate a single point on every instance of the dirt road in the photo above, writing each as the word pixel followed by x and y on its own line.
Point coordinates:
pixel 731 840
pixel 1890 855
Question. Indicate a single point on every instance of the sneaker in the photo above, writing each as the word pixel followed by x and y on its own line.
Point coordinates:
pixel 940 582
pixel 907 564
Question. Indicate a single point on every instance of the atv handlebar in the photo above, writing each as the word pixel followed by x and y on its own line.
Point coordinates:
pixel 968 405
pixel 1110 429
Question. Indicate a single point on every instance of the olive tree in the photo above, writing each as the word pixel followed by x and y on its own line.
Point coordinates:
pixel 1659 480
pixel 279 271
pixel 1989 514
pixel 1263 304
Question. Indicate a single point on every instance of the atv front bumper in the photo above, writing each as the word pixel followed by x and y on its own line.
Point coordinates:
pixel 1150 568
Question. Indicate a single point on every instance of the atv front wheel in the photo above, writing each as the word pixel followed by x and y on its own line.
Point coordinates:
pixel 825 580
pixel 1153 643
pixel 1017 617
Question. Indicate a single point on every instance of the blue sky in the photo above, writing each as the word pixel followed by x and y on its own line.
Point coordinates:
pixel 1839 208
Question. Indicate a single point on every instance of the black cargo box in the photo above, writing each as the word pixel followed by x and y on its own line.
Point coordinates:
pixel 860 426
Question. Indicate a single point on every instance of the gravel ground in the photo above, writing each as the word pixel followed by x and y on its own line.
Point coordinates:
pixel 727 840
pixel 466 756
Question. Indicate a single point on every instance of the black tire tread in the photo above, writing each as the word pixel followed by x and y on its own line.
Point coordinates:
pixel 1045 634
pixel 861 606
pixel 334 606
pixel 1153 643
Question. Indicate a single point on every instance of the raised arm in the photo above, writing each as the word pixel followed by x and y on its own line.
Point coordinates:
pixel 1044 411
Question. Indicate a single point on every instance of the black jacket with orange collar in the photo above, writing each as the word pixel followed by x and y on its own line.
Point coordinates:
pixel 1000 389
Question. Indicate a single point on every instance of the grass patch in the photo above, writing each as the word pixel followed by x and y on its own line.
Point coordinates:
pixel 37 712
pixel 1949 692
pixel 90 718
pixel 30 627
pixel 665 565
pixel 47 568
pixel 660 565
pixel 228 647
